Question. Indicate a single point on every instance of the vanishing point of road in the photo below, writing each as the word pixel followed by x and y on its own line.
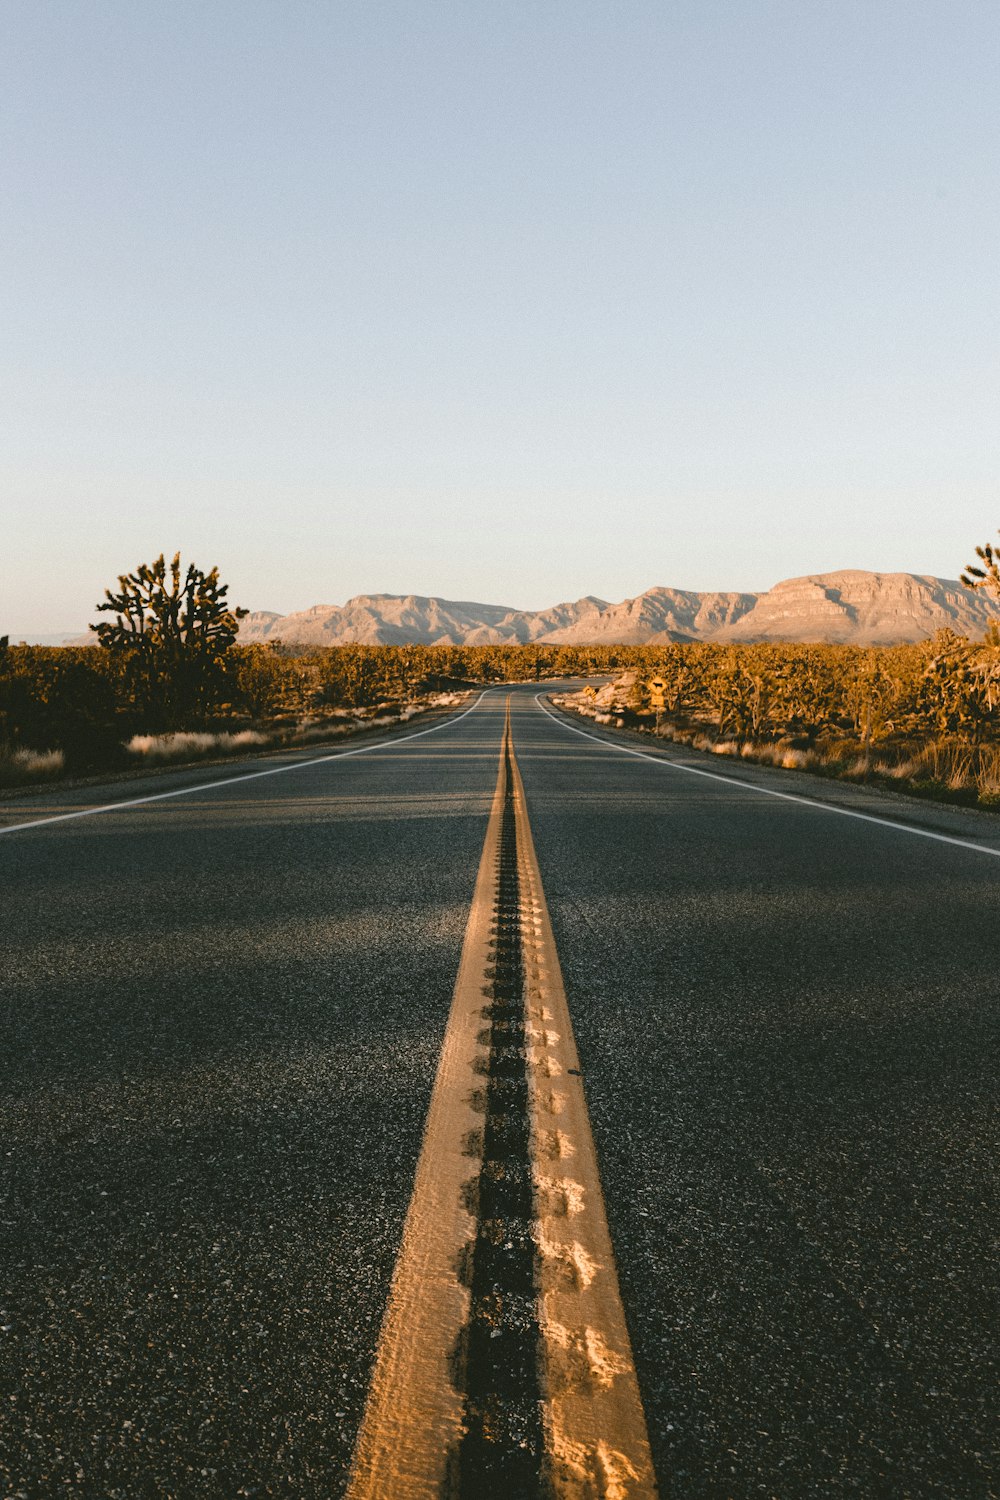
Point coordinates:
pixel 222 1017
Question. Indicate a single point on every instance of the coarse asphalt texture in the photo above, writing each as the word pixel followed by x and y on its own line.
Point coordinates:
pixel 221 1016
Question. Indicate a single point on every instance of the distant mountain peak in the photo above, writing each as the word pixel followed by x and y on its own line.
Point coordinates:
pixel 849 605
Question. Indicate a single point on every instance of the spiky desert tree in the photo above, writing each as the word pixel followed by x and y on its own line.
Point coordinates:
pixel 988 576
pixel 171 630
pixel 5 691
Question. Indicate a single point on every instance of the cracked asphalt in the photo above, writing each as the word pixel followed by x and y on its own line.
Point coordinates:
pixel 220 1021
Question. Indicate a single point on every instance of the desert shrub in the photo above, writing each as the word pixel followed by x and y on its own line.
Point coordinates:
pixel 59 698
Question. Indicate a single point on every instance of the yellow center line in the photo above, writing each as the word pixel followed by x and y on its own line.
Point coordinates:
pixel 596 1446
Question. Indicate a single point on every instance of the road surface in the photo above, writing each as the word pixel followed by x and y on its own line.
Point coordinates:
pixel 221 1020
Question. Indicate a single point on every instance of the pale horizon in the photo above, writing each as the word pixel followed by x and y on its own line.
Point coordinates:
pixel 486 303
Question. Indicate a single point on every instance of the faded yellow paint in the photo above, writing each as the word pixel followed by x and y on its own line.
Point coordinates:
pixel 414 1415
pixel 596 1443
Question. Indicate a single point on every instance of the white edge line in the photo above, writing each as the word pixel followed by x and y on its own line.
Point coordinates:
pixel 210 786
pixel 766 791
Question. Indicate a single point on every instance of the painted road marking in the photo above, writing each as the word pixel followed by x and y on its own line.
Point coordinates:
pixel 766 791
pixel 596 1427
pixel 210 786
pixel 507 1179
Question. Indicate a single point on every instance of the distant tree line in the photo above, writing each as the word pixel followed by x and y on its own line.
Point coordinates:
pixel 87 701
pixel 168 659
pixel 945 685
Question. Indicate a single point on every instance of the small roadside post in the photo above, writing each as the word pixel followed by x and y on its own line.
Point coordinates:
pixel 657 698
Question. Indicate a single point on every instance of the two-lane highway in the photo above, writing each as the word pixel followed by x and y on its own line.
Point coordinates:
pixel 222 1015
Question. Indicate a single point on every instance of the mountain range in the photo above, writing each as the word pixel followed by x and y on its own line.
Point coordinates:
pixel 851 607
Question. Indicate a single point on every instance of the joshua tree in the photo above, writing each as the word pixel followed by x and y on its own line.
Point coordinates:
pixel 171 633
pixel 987 577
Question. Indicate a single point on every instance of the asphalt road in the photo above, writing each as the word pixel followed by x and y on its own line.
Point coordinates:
pixel 220 1023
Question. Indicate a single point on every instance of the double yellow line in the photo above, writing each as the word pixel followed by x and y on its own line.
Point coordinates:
pixel 594 1426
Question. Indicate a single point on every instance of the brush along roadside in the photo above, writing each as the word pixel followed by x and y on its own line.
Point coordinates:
pixel 25 770
pixel 945 768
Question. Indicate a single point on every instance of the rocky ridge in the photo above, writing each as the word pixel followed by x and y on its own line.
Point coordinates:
pixel 850 607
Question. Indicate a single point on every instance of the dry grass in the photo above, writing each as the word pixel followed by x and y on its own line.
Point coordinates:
pixel 948 768
pixel 160 748
pixel 313 731
pixel 798 760
pixel 788 757
pixel 156 748
pixel 940 768
pixel 900 770
pixel 22 767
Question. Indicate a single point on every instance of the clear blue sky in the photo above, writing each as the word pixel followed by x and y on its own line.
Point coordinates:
pixel 503 301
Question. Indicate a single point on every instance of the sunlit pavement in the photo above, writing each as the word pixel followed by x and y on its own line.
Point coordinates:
pixel 222 1017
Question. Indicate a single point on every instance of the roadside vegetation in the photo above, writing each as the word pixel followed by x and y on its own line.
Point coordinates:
pixel 923 718
pixel 926 716
pixel 81 710
pixel 78 711
pixel 167 682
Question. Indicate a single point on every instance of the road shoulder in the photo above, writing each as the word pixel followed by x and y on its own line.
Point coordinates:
pixel 974 825
pixel 21 804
